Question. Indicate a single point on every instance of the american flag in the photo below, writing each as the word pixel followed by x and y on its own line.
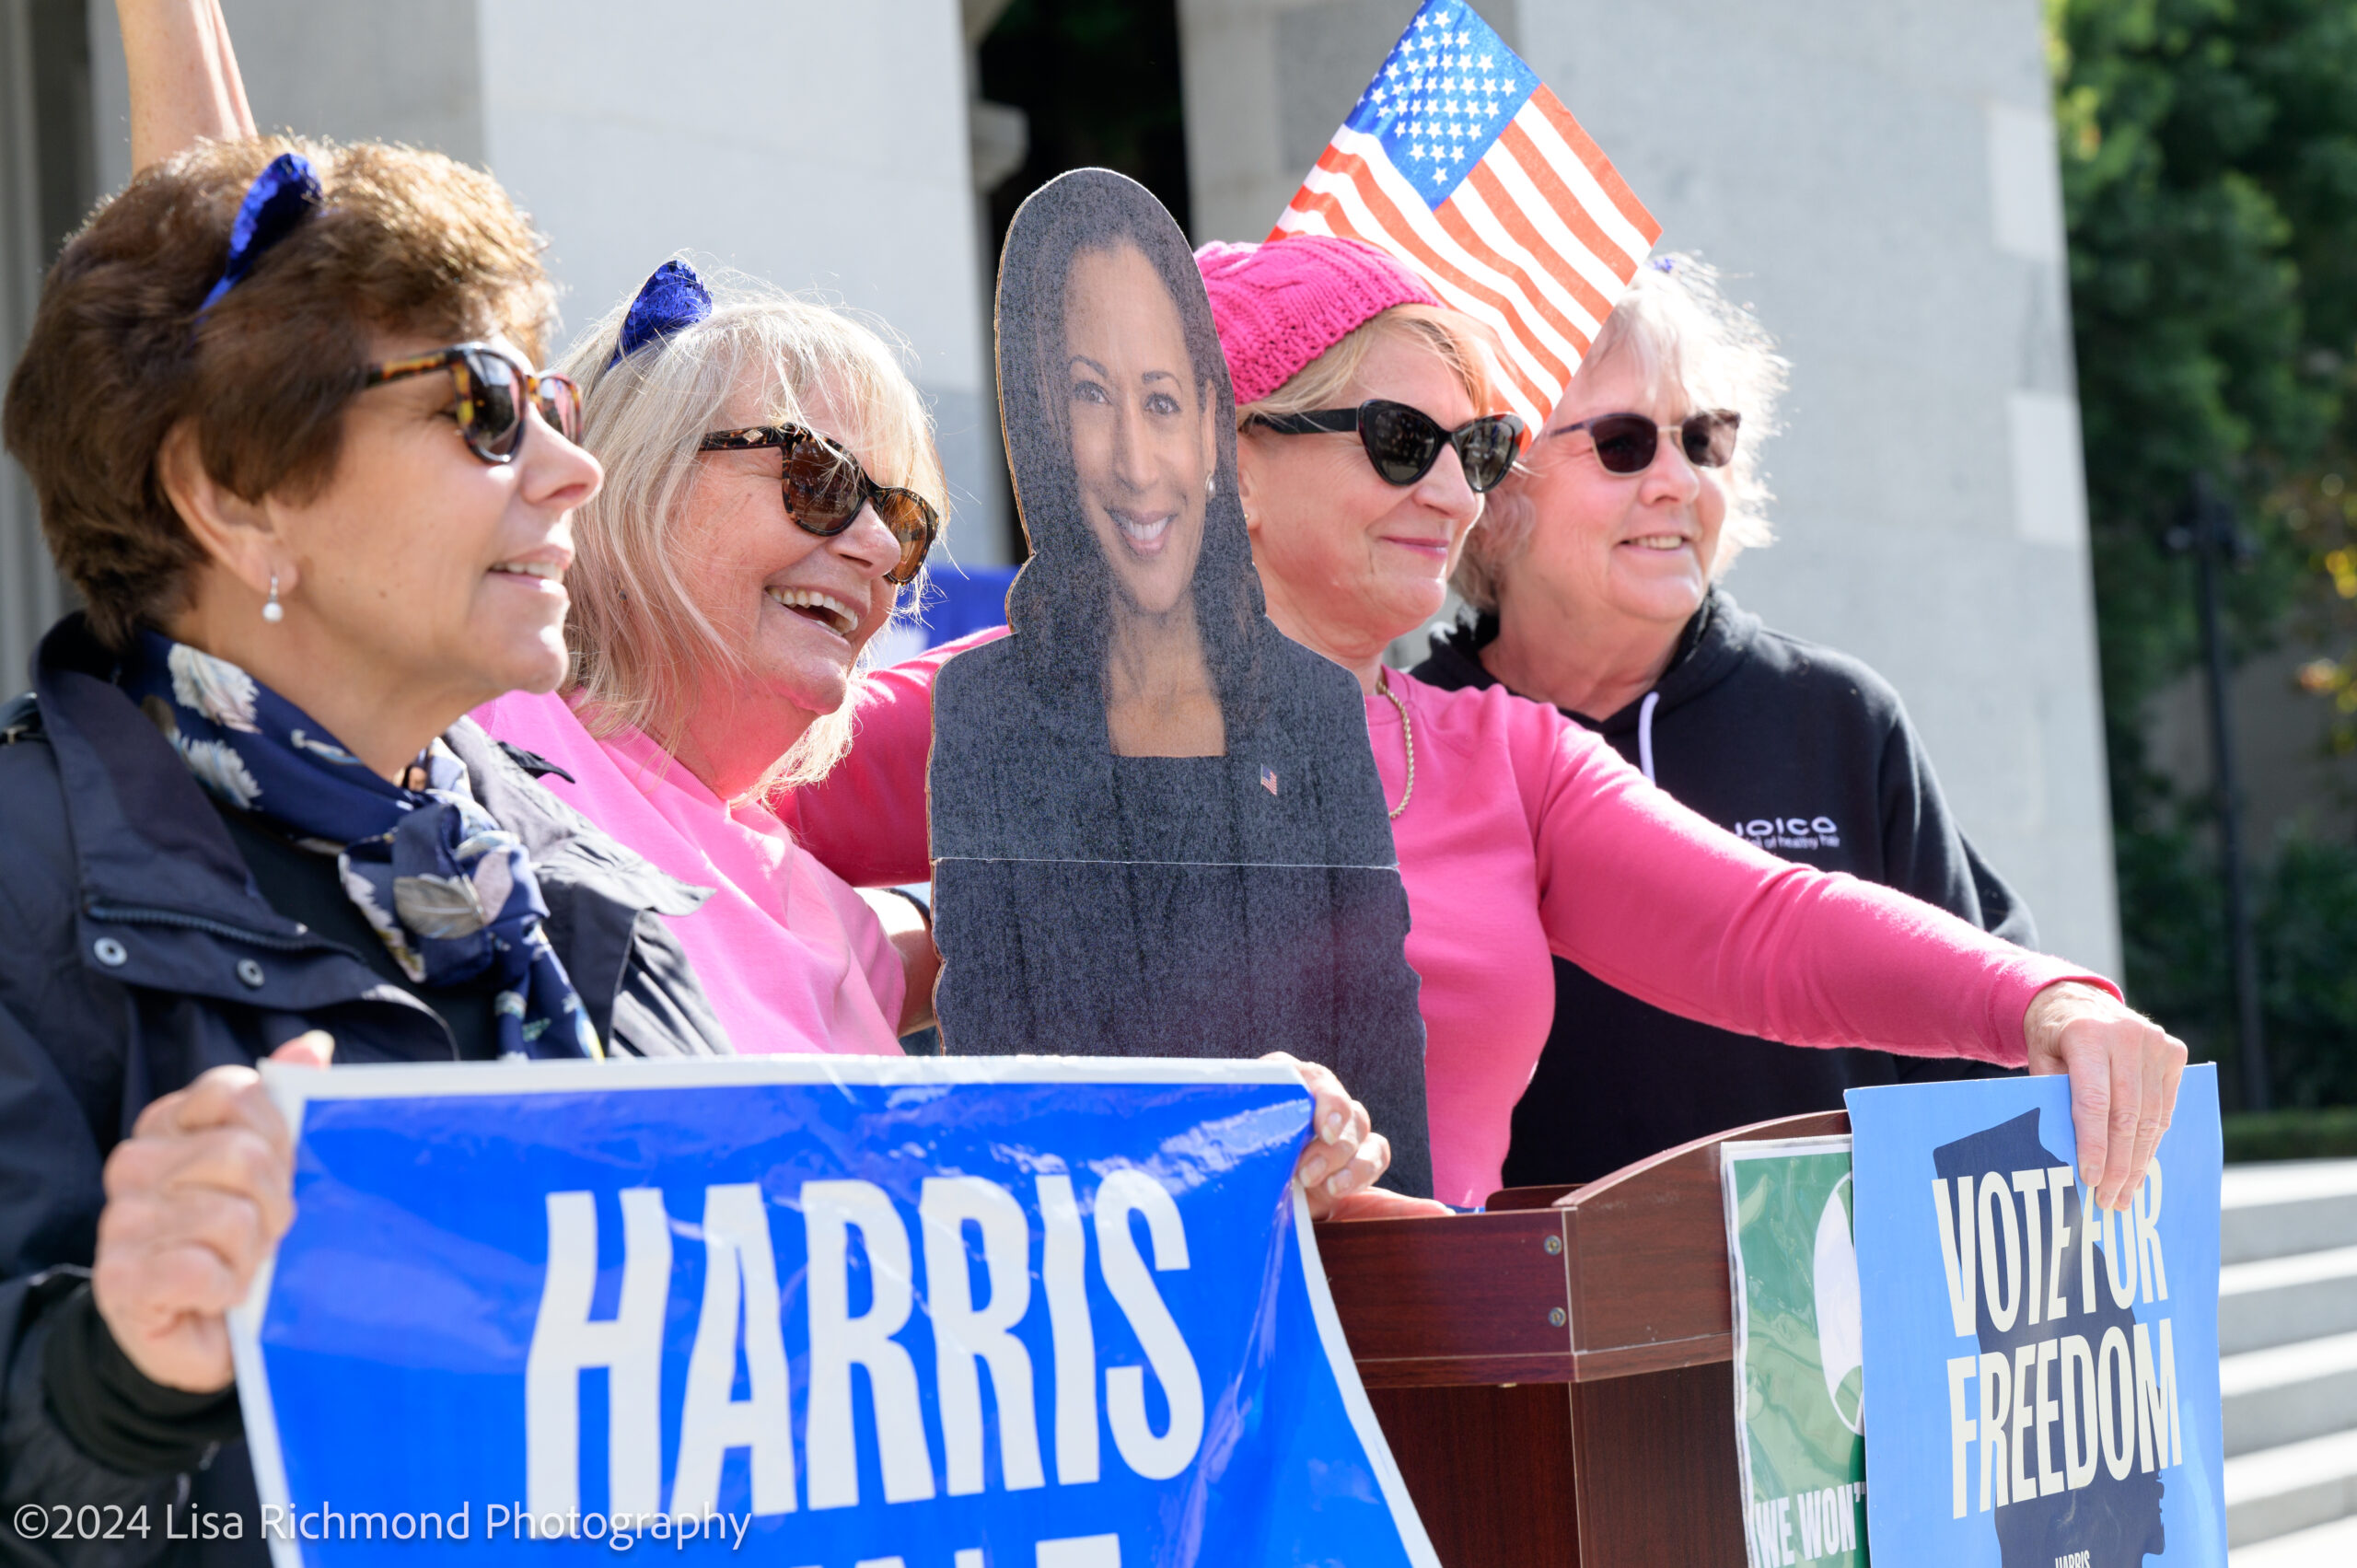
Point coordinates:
pixel 1458 161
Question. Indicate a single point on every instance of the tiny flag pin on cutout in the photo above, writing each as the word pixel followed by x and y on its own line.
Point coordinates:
pixel 1268 778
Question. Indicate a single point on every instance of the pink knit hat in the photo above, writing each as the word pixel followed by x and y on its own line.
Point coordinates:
pixel 1281 305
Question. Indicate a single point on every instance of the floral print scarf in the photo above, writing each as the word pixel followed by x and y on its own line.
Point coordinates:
pixel 449 891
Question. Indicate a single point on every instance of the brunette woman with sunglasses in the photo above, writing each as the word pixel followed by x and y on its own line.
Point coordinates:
pixel 1595 582
pixel 1519 835
pixel 277 409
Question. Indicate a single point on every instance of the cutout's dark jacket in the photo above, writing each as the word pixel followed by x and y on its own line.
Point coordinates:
pixel 136 952
pixel 1809 753
pixel 1094 905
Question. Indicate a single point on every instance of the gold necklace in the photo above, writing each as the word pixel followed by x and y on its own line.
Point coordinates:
pixel 1408 733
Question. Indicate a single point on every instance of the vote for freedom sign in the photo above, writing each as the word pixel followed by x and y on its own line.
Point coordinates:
pixel 834 1312
pixel 2041 1376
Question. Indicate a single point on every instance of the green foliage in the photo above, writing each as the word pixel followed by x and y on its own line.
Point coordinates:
pixel 2292 1135
pixel 2208 154
pixel 2307 931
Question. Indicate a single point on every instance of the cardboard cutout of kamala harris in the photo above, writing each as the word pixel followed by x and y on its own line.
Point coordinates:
pixel 1157 823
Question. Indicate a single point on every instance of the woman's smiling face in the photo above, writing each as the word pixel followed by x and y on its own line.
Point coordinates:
pixel 1144 443
pixel 796 608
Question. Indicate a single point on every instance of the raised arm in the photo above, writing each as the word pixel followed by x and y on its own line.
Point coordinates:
pixel 185 81
pixel 1655 901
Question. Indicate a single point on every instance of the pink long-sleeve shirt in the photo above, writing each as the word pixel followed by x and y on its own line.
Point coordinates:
pixel 791 957
pixel 1527 835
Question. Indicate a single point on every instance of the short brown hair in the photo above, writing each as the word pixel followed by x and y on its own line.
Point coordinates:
pixel 405 242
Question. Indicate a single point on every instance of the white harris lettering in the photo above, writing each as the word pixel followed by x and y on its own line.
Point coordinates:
pixel 839 1342
pixel 1156 1458
pixel 967 1338
pixel 1064 1270
pixel 740 1269
pixel 629 1345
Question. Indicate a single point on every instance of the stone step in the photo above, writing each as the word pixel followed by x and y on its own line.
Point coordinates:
pixel 2274 1492
pixel 2326 1546
pixel 2276 1301
pixel 2287 1206
pixel 2288 1392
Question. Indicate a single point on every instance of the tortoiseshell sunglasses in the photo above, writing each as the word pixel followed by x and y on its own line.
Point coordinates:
pixel 826 488
pixel 494 391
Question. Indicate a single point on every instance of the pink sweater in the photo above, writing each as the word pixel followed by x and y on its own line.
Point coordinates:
pixel 1529 835
pixel 791 956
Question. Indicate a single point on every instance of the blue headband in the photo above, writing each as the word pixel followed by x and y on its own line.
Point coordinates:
pixel 671 300
pixel 280 197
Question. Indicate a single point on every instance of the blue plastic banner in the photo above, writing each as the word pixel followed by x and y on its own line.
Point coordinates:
pixel 1030 1313
pixel 2041 1391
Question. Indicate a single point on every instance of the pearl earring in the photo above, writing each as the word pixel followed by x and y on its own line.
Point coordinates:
pixel 1211 484
pixel 273 611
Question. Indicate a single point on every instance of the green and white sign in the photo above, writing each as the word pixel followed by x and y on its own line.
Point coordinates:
pixel 1799 1390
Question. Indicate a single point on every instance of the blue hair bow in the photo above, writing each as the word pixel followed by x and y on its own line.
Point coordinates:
pixel 280 197
pixel 671 300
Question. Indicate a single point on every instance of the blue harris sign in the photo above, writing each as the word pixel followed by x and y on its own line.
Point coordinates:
pixel 2042 1382
pixel 1030 1313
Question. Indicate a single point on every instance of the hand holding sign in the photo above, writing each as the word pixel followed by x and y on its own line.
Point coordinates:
pixel 198 1193
pixel 1344 1154
pixel 832 1310
pixel 2124 1069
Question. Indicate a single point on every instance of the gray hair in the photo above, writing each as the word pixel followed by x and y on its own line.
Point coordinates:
pixel 1680 330
pixel 640 645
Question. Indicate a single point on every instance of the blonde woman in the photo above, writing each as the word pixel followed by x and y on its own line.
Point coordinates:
pixel 729 578
pixel 741 558
pixel 1595 582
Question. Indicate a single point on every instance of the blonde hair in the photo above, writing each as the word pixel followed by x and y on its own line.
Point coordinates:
pixel 1677 327
pixel 640 645
pixel 1463 344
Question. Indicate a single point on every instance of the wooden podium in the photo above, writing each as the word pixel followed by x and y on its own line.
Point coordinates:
pixel 1553 1375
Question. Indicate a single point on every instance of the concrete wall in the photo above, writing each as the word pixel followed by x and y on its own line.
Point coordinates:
pixel 45 179
pixel 825 146
pixel 1879 174
pixel 822 148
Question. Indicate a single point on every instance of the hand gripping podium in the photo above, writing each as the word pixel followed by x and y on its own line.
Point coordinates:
pixel 1553 1375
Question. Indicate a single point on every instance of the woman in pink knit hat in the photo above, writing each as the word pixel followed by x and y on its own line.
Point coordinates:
pixel 1365 444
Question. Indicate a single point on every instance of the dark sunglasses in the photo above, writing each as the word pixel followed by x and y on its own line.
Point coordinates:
pixel 1627 443
pixel 1404 443
pixel 494 392
pixel 825 489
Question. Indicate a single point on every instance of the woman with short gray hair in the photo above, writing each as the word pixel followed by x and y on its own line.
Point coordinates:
pixel 1594 586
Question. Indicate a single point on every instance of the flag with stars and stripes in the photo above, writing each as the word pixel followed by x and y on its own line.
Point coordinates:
pixel 1459 162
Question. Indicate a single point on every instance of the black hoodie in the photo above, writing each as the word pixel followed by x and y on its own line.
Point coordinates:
pixel 1808 754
